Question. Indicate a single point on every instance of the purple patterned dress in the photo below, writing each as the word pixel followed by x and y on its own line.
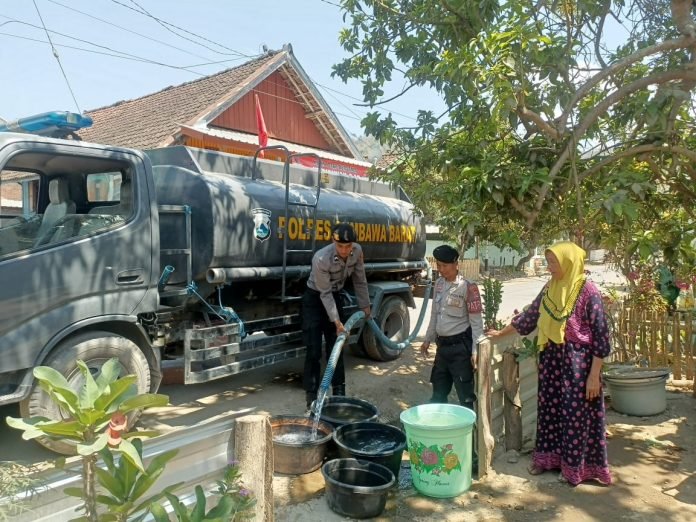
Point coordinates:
pixel 570 429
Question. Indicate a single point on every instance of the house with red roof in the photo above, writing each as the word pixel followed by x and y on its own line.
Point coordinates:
pixel 218 112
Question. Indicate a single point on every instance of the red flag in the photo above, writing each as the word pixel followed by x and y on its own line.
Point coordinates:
pixel 261 126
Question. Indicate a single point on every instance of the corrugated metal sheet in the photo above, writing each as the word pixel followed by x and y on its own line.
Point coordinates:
pixel 528 393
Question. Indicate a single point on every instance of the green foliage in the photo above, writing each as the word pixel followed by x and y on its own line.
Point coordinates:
pixel 124 484
pixel 492 297
pixel 529 349
pixel 551 129
pixel 15 479
pixel 234 502
pixel 97 417
pixel 91 411
pixel 88 409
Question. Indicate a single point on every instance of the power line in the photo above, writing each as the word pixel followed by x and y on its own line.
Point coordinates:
pixel 358 99
pixel 55 53
pixel 120 55
pixel 350 109
pixel 135 57
pixel 168 26
pixel 132 32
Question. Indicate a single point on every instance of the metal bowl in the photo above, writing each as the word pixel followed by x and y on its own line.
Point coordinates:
pixel 294 453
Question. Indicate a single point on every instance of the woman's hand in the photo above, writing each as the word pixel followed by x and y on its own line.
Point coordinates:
pixel 494 334
pixel 593 388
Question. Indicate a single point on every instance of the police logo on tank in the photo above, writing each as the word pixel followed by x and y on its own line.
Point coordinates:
pixel 262 223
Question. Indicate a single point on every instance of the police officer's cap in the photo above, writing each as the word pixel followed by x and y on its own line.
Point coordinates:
pixel 445 254
pixel 343 233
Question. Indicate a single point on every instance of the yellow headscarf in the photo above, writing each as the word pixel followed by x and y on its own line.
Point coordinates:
pixel 560 295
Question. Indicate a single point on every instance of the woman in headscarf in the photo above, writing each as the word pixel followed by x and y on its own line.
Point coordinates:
pixel 573 339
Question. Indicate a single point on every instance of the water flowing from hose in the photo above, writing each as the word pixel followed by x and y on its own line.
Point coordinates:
pixel 340 341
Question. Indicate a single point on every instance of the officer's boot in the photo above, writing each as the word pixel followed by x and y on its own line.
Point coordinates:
pixel 339 389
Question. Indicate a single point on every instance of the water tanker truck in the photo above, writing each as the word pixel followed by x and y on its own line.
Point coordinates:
pixel 178 256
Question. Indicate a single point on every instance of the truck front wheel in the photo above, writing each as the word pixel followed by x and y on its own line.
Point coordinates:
pixel 394 321
pixel 94 348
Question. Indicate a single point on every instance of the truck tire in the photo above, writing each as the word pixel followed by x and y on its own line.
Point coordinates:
pixel 94 348
pixel 394 320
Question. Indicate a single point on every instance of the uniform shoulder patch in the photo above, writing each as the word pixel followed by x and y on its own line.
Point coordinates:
pixel 473 299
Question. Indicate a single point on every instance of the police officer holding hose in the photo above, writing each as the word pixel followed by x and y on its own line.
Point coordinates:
pixel 322 307
pixel 455 325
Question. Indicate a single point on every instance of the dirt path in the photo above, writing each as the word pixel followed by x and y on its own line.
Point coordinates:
pixel 652 459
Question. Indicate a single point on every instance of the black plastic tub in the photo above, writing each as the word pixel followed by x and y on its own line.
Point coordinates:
pixel 357 488
pixel 372 441
pixel 338 410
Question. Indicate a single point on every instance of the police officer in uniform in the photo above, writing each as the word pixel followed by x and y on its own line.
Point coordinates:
pixel 322 310
pixel 455 325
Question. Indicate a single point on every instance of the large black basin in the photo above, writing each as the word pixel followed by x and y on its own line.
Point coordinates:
pixel 357 488
pixel 372 441
pixel 338 410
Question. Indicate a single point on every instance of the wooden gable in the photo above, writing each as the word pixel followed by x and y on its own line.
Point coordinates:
pixel 283 113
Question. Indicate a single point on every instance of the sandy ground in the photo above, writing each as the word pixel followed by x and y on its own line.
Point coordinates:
pixel 653 459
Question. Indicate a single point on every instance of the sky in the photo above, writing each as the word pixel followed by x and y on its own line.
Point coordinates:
pixel 102 44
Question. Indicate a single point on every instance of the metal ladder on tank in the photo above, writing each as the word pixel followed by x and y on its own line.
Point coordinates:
pixel 313 206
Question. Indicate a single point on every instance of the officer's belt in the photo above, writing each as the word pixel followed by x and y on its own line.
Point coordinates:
pixel 317 292
pixel 447 340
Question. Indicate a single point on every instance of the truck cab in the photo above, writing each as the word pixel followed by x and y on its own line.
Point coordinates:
pixel 77 229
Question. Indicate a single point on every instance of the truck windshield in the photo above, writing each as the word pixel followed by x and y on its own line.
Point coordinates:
pixel 47 200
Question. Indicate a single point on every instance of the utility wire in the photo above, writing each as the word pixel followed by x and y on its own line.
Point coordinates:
pixel 168 26
pixel 125 54
pixel 55 53
pixel 350 109
pixel 133 32
pixel 121 55
pixel 358 99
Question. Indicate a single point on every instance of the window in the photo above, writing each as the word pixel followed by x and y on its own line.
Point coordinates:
pixel 18 202
pixel 48 198
pixel 105 186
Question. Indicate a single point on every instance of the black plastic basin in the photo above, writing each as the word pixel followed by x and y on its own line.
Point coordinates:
pixel 372 441
pixel 357 488
pixel 338 410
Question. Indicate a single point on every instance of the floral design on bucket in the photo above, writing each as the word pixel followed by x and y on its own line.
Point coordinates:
pixel 433 459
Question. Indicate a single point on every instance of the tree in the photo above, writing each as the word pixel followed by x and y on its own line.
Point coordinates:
pixel 551 128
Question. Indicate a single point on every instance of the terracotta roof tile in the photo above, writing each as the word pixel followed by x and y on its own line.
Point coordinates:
pixel 145 122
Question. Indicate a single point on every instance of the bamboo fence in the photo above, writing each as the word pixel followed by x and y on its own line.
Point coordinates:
pixel 655 339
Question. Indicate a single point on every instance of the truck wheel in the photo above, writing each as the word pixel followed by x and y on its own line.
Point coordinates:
pixel 94 348
pixel 394 320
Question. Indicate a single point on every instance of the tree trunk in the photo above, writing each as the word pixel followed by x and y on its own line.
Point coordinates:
pixel 253 449
pixel 522 261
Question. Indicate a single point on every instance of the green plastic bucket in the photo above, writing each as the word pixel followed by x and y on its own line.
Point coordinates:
pixel 439 440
